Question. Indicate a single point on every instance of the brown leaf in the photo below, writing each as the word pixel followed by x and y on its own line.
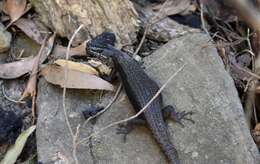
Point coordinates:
pixel 31 85
pixel 220 10
pixel 78 80
pixel 256 134
pixel 30 29
pixel 15 9
pixel 172 8
pixel 102 68
pixel 16 69
pixel 60 51
pixel 77 66
pixel 19 68
pixel 30 89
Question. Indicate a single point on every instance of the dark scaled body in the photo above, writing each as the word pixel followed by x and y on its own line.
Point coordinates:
pixel 140 89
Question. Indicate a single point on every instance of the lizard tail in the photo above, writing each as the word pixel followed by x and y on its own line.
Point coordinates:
pixel 171 153
pixel 162 137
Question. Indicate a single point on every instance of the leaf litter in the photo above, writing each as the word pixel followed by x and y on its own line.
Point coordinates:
pixel 76 79
pixel 15 150
pixel 30 29
pixel 15 9
pixel 77 66
pixel 81 76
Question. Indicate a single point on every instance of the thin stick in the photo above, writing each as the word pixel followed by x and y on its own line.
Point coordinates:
pixel 249 72
pixel 74 137
pixel 202 21
pixel 74 151
pixel 251 50
pixel 137 114
pixel 255 115
pixel 21 54
pixel 108 105
pixel 150 23
pixel 142 40
pixel 10 99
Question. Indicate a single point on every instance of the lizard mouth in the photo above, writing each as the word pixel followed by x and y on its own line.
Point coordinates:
pixel 96 46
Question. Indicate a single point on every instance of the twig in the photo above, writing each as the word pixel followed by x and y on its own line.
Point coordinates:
pixel 246 50
pixel 10 99
pixel 74 151
pixel 251 50
pixel 137 114
pixel 74 137
pixel 250 100
pixel 150 23
pixel 202 20
pixel 143 38
pixel 108 105
pixel 30 89
pixel 21 54
pixel 247 71
pixel 255 115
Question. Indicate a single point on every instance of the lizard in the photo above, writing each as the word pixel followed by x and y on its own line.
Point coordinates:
pixel 140 88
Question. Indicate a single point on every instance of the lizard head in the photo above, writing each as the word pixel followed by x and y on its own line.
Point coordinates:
pixel 103 42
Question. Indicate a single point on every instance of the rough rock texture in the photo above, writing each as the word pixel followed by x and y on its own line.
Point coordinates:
pixel 165 28
pixel 5 39
pixel 219 135
pixel 65 16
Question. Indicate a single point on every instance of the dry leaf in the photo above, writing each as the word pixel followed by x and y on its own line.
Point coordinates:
pixel 30 89
pixel 220 10
pixel 256 134
pixel 15 150
pixel 15 9
pixel 60 51
pixel 19 68
pixel 78 80
pixel 79 50
pixel 16 69
pixel 77 66
pixel 31 85
pixel 102 68
pixel 171 8
pixel 30 29
pixel 41 56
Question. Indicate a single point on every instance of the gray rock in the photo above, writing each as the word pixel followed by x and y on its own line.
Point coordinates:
pixel 219 135
pixel 5 39
pixel 163 30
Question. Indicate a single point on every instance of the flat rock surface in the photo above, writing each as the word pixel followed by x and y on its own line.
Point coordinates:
pixel 219 135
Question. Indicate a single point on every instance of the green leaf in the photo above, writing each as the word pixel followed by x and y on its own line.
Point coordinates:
pixel 15 150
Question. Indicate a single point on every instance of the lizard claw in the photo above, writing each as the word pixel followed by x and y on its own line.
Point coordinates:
pixel 170 112
pixel 179 116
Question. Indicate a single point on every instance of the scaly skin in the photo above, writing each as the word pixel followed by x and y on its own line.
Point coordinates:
pixel 140 89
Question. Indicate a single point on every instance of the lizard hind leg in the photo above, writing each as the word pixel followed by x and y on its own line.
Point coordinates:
pixel 169 111
pixel 126 128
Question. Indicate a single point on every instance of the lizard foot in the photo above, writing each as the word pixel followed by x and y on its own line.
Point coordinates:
pixel 170 111
pixel 91 111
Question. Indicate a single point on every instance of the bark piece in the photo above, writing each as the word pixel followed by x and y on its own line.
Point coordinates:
pixel 65 16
